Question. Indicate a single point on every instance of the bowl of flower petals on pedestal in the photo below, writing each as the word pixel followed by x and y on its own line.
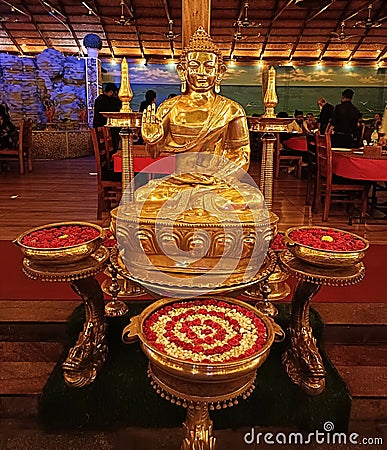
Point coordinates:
pixel 326 247
pixel 203 354
pixel 60 243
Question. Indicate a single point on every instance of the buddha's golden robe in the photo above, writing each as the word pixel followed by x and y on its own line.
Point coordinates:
pixel 210 159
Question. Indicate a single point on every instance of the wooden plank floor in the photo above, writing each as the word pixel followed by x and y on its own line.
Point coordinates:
pixel 66 190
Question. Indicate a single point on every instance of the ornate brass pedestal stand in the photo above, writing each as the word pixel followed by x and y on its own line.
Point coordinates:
pixel 302 360
pixel 86 358
pixel 198 426
pixel 128 121
pixel 268 125
pixel 200 386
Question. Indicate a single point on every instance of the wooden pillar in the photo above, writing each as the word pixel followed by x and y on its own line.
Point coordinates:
pixel 195 13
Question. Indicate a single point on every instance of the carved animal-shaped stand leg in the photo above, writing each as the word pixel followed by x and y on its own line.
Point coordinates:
pixel 89 353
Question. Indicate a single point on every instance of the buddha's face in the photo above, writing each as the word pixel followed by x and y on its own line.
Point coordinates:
pixel 202 69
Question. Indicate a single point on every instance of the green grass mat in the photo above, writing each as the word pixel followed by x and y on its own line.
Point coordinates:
pixel 122 396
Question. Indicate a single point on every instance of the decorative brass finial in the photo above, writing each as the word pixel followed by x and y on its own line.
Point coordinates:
pixel 270 100
pixel 125 93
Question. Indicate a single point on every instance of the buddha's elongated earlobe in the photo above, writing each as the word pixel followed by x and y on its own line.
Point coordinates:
pixel 219 77
pixel 183 86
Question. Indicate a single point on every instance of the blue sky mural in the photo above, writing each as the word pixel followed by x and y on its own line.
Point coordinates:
pixel 297 87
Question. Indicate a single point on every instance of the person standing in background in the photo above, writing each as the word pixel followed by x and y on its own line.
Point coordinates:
pixel 150 97
pixel 108 101
pixel 326 110
pixel 344 121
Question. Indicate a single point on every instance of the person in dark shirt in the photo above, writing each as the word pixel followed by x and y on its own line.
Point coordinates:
pixel 108 101
pixel 150 97
pixel 9 135
pixel 326 110
pixel 344 121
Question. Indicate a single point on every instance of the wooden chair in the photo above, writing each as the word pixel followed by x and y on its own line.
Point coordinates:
pixel 367 130
pixel 109 182
pixel 291 157
pixel 311 171
pixel 23 151
pixel 108 144
pixel 336 189
pixel 296 160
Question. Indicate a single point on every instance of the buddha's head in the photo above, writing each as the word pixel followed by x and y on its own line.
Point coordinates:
pixel 201 63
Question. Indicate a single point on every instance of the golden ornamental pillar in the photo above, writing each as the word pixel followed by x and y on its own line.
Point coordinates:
pixel 270 101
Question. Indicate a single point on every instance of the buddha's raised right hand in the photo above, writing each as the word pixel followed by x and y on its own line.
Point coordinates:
pixel 151 127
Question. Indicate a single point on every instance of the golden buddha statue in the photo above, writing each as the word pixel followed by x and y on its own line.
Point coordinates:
pixel 200 227
pixel 206 132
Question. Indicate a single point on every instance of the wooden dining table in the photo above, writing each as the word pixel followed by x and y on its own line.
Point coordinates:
pixel 354 165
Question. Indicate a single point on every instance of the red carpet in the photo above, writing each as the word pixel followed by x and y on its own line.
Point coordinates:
pixel 15 285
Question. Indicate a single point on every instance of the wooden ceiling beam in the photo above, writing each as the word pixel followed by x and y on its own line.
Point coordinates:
pixel 138 35
pixel 66 21
pixel 195 13
pixel 13 40
pixel 46 41
pixel 275 14
pixel 341 18
pixel 168 14
pixel 309 14
pixel 366 31
pixel 102 22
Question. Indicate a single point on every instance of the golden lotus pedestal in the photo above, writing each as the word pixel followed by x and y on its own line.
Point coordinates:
pixel 87 357
pixel 199 387
pixel 302 360
pixel 157 290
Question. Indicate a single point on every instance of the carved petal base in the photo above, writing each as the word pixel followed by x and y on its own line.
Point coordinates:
pixel 303 362
pixel 115 308
pixel 128 289
pixel 266 308
pixel 87 356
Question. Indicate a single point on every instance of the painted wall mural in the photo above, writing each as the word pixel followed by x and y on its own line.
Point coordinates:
pixel 297 87
pixel 29 85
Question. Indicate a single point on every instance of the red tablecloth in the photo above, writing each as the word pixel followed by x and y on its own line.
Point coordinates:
pixel 359 168
pixel 296 143
pixel 144 164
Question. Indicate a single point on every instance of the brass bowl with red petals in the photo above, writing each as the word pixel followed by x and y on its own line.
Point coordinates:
pixel 326 247
pixel 60 243
pixel 208 377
